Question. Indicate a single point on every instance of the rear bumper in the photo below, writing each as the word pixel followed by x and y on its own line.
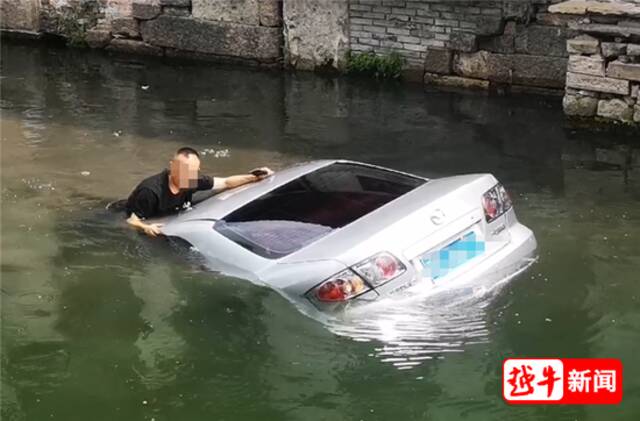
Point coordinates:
pixel 505 263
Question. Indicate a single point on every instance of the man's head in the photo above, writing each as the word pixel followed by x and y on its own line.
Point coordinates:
pixel 184 167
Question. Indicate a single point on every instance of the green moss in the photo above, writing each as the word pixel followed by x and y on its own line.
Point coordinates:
pixel 375 65
pixel 74 30
pixel 73 22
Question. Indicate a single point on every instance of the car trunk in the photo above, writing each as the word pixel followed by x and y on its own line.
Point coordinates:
pixel 427 218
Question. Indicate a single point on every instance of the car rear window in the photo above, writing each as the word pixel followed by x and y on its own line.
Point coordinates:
pixel 306 209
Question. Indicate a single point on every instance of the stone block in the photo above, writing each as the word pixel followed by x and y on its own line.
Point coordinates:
pixel 581 7
pixel 615 109
pixel 504 43
pixel 463 41
pixel 98 38
pixel 636 113
pixel 518 10
pixel 619 70
pixel 133 47
pixel 608 30
pixel 520 69
pixel 597 83
pixel 594 65
pixel 146 10
pixel 541 40
pixel 125 26
pixel 583 106
pixel 438 61
pixel 269 13
pixel 633 50
pixel 222 38
pixel 555 19
pixel 318 37
pixel 635 91
pixel 238 11
pixel 582 92
pixel 489 25
pixel 613 49
pixel 20 15
pixel 176 11
pixel 455 81
pixel 583 44
pixel 176 3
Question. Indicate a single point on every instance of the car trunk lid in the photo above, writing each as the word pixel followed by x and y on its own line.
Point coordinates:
pixel 410 225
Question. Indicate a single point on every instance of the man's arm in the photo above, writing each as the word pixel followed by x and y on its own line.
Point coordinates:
pixel 231 182
pixel 143 204
pixel 152 230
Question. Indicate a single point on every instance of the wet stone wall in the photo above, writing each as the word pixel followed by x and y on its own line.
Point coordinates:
pixel 467 43
pixel 603 77
pixel 247 31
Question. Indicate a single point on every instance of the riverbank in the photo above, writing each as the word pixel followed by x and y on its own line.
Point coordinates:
pixel 498 46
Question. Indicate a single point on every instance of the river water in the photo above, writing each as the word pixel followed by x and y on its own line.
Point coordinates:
pixel 101 323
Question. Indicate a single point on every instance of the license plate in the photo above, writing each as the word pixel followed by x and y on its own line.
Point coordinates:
pixel 439 263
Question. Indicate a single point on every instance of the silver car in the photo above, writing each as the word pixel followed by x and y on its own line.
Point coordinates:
pixel 333 234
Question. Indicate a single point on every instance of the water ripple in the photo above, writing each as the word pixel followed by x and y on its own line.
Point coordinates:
pixel 422 327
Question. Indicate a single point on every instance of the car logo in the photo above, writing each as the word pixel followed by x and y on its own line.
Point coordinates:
pixel 438 217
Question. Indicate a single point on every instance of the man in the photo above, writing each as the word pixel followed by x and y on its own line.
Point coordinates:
pixel 171 190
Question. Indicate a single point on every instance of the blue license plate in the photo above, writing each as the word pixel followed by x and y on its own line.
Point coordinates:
pixel 439 263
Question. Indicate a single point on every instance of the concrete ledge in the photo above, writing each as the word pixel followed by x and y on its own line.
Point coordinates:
pixel 221 38
pixel 455 81
pixel 218 59
pixel 21 34
pixel 131 46
pixel 516 69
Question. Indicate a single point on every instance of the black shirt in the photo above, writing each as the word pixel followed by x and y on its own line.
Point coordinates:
pixel 152 197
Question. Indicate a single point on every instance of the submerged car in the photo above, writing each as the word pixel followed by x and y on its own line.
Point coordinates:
pixel 332 234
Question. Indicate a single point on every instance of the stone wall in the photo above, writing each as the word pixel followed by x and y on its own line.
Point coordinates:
pixel 466 43
pixel 316 33
pixel 247 31
pixel 603 78
pixel 20 15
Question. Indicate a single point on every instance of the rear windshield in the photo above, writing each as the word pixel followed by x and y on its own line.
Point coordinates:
pixel 305 209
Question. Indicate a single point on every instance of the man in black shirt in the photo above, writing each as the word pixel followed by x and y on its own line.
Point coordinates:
pixel 171 190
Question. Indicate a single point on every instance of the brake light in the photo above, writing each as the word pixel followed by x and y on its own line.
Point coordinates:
pixel 350 283
pixel 341 287
pixel 495 202
pixel 380 268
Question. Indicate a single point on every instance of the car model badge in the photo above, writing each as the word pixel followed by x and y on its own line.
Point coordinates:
pixel 437 217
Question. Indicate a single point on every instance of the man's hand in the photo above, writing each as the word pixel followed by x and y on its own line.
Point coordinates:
pixel 264 172
pixel 240 180
pixel 152 230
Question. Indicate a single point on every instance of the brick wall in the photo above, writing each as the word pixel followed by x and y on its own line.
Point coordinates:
pixel 412 27
pixel 496 42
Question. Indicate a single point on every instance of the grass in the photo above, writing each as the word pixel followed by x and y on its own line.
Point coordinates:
pixel 73 22
pixel 370 64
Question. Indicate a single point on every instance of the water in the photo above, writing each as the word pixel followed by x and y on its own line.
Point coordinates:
pixel 101 323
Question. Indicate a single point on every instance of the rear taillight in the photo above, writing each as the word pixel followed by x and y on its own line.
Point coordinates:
pixel 495 202
pixel 380 268
pixel 350 283
pixel 341 287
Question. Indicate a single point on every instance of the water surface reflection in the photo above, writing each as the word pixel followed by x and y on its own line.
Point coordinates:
pixel 100 323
